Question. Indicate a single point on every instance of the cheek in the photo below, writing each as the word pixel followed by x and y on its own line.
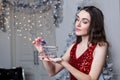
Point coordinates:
pixel 84 30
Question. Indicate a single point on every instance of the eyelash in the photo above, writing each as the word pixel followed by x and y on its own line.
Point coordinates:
pixel 85 22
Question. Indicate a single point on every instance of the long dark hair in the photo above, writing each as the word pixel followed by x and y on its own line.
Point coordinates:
pixel 96 31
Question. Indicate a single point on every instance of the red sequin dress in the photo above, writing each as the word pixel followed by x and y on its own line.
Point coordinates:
pixel 82 63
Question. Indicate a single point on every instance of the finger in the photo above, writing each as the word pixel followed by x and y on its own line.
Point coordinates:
pixel 56 59
pixel 33 42
pixel 41 57
pixel 42 40
pixel 44 58
pixel 38 39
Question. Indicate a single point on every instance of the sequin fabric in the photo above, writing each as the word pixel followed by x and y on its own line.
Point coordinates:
pixel 83 62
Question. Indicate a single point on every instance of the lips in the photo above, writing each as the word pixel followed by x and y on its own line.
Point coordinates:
pixel 77 29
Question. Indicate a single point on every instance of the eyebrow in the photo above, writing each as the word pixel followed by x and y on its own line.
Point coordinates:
pixel 86 19
pixel 83 18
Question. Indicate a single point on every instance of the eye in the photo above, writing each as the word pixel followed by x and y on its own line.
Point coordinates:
pixel 85 22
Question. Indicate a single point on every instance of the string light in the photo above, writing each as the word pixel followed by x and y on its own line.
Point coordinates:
pixel 25 16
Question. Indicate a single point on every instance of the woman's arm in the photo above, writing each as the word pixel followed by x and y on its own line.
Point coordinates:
pixel 52 68
pixel 96 68
pixel 98 61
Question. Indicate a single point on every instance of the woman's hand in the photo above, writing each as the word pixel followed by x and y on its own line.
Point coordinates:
pixel 55 60
pixel 41 50
pixel 38 46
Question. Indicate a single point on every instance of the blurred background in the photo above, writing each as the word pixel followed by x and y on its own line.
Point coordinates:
pixel 21 21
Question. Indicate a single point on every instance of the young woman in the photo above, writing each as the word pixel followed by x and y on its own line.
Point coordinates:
pixel 86 57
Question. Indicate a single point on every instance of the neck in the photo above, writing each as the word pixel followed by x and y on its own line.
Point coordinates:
pixel 85 40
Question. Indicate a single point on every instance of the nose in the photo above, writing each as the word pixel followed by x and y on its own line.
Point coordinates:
pixel 78 24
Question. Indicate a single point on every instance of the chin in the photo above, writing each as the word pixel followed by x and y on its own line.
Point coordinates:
pixel 78 34
pixel 81 34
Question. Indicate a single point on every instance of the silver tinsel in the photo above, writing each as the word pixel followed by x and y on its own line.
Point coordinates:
pixel 41 6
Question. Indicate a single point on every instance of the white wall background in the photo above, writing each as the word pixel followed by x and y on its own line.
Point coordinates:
pixel 111 10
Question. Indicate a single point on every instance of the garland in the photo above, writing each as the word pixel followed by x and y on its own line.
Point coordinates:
pixel 40 6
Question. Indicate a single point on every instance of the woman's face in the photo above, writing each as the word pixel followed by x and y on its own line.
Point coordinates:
pixel 82 23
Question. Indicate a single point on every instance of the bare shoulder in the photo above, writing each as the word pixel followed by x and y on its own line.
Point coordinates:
pixel 102 45
pixel 101 48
